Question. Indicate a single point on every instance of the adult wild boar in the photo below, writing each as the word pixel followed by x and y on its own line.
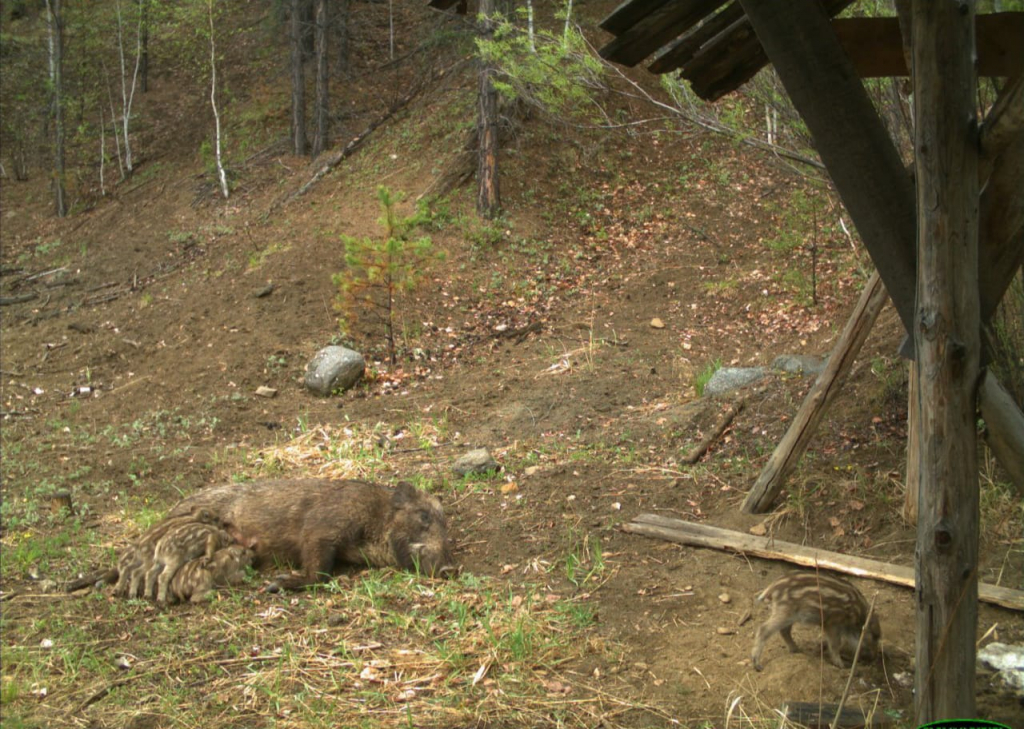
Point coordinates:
pixel 320 525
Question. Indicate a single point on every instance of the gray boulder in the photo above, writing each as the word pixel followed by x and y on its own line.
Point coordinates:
pixel 799 364
pixel 728 379
pixel 476 461
pixel 334 369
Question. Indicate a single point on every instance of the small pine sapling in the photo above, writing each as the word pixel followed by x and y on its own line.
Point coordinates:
pixel 379 270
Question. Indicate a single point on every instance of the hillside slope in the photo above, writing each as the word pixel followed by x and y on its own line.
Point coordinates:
pixel 130 380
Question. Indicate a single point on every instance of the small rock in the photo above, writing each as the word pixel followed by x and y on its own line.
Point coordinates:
pixel 334 368
pixel 476 461
pixel 531 470
pixel 725 598
pixel 733 378
pixel 799 364
pixel 264 391
pixel 657 323
pixel 265 291
pixel 725 631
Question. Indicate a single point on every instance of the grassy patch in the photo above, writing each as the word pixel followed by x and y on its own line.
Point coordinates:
pixel 383 649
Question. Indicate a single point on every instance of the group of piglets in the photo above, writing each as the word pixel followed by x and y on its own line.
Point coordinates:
pixel 320 526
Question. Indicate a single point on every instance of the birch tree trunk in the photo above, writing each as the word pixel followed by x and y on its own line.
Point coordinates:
pixel 222 177
pixel 946 332
pixel 56 45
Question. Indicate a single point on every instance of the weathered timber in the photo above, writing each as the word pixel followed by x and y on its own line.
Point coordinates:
pixel 848 134
pixel 726 417
pixel 815 715
pixel 656 29
pixel 734 57
pixel 792 446
pixel 1001 234
pixel 946 332
pixel 913 472
pixel 1004 122
pixel 876 49
pixel 682 49
pixel 710 537
pixel 629 14
pixel 1004 428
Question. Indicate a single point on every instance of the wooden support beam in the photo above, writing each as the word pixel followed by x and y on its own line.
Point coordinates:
pixel 1004 428
pixel 791 448
pixel 686 46
pixel 946 332
pixel 875 46
pixel 705 535
pixel 629 13
pixel 1001 236
pixel 849 136
pixel 656 29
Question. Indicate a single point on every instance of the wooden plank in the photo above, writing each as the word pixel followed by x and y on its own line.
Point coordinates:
pixel 705 535
pixel 734 58
pixel 683 49
pixel 657 29
pixel 1004 428
pixel 1001 238
pixel 629 14
pixel 947 338
pixel 875 45
pixel 828 384
pixel 848 134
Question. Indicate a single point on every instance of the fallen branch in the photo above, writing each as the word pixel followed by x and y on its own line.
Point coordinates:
pixel 698 451
pixel 702 535
pixel 19 299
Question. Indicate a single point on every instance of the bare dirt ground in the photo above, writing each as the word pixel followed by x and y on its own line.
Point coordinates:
pixel 130 378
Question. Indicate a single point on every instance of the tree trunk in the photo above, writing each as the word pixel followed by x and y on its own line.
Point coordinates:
pixel 947 338
pixel 321 139
pixel 222 177
pixel 488 199
pixel 343 37
pixel 56 44
pixel 144 55
pixel 299 143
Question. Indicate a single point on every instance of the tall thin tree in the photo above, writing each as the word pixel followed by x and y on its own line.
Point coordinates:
pixel 321 139
pixel 221 175
pixel 488 199
pixel 299 143
pixel 55 40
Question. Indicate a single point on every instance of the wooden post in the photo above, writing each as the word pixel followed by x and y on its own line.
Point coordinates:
pixel 792 446
pixel 913 424
pixel 946 333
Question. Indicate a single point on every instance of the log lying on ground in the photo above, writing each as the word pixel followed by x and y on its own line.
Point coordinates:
pixel 703 535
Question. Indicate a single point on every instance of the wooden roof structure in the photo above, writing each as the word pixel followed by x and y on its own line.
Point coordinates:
pixel 946 242
pixel 712 44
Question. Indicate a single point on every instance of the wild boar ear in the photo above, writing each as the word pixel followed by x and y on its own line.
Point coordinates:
pixel 404 491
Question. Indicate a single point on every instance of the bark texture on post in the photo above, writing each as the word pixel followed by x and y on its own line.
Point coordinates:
pixel 946 333
pixel 488 199
pixel 299 143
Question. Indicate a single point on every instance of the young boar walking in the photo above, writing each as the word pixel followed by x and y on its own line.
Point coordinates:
pixel 198 577
pixel 319 525
pixel 817 599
